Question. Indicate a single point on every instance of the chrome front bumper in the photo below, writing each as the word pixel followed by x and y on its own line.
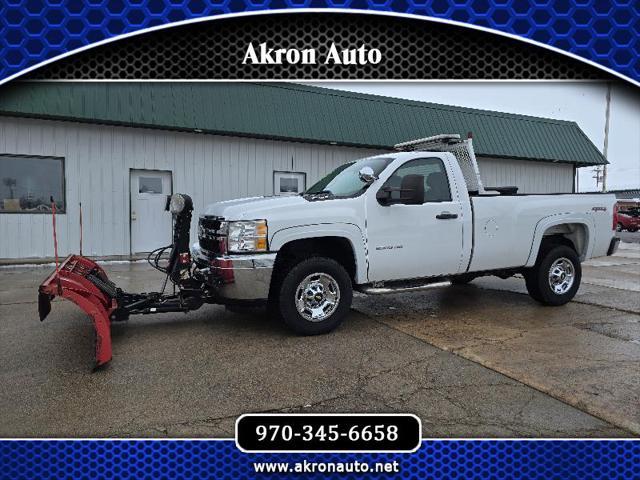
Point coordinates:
pixel 240 277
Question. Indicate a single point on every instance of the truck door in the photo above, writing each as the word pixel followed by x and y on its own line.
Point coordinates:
pixel 412 241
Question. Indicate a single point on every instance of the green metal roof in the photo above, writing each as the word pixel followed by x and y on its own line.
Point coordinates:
pixel 299 113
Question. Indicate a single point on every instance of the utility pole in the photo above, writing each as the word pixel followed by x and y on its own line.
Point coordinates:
pixel 598 173
pixel 605 149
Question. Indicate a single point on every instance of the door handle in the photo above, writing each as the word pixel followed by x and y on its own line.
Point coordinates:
pixel 446 216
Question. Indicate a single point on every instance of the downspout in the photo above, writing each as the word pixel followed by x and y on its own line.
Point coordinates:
pixel 605 148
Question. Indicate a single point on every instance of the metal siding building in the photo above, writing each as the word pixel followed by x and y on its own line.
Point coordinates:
pixel 223 141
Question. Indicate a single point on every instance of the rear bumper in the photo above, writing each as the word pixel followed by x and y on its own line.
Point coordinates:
pixel 613 246
pixel 238 277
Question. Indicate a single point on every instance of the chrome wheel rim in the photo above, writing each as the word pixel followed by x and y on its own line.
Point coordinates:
pixel 317 297
pixel 561 276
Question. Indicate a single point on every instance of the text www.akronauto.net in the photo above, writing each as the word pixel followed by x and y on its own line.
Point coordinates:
pixel 326 467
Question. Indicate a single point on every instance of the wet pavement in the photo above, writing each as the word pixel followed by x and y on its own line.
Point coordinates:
pixel 470 361
pixel 586 353
pixel 629 237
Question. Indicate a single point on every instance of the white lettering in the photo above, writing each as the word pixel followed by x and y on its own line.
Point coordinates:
pixel 250 54
pixel 263 55
pixel 293 56
pixel 353 56
pixel 333 56
pixel 270 56
pixel 309 56
pixel 374 56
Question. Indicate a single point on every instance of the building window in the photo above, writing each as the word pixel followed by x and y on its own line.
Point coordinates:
pixel 28 182
pixel 289 183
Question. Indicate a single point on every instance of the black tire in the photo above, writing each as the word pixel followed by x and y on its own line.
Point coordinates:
pixel 619 227
pixel 273 310
pixel 292 282
pixel 632 230
pixel 273 302
pixel 463 279
pixel 538 277
pixel 531 281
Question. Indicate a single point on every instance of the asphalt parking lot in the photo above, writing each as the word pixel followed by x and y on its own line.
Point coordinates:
pixel 481 360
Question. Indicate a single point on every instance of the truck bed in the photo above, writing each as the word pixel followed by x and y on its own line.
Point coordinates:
pixel 508 229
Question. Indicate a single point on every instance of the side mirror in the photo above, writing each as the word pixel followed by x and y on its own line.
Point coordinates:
pixel 411 192
pixel 367 175
pixel 384 196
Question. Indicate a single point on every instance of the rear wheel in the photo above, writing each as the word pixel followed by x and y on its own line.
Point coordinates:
pixel 315 296
pixel 619 227
pixel 555 278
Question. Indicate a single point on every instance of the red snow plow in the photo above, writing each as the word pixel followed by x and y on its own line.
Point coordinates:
pixel 86 284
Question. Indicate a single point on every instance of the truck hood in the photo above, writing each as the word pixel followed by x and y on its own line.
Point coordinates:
pixel 253 208
pixel 291 211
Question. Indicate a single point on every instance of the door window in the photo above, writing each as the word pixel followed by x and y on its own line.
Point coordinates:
pixel 150 185
pixel 436 183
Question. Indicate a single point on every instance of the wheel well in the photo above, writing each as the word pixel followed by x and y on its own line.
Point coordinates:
pixel 337 248
pixel 573 235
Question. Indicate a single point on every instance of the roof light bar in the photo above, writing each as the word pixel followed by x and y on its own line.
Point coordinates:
pixel 421 142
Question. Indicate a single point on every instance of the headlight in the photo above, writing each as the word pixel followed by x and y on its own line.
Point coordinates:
pixel 177 203
pixel 248 236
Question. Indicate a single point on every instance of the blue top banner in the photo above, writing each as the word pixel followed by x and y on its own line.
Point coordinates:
pixel 604 32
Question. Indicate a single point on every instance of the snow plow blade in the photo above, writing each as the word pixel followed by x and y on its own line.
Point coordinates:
pixel 85 283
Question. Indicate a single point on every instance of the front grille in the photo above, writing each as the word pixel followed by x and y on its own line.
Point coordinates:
pixel 212 233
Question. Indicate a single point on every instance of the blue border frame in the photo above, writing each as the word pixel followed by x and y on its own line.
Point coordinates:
pixel 600 31
pixel 604 32
pixel 463 459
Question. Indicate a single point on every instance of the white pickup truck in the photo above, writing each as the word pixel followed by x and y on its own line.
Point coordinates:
pixel 413 219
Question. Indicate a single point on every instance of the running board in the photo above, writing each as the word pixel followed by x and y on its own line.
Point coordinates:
pixel 400 287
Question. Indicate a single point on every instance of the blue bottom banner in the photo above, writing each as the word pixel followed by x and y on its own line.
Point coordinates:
pixel 468 459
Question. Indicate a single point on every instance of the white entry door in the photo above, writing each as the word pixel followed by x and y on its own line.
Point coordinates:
pixel 150 223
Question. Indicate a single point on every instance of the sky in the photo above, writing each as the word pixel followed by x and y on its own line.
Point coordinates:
pixel 582 102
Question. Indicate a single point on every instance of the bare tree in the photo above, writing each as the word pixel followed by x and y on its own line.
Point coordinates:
pixel 11 183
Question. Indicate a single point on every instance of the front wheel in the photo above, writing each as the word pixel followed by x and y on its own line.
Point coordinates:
pixel 555 278
pixel 315 296
pixel 619 227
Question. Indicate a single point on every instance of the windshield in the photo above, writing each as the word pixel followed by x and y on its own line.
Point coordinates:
pixel 345 181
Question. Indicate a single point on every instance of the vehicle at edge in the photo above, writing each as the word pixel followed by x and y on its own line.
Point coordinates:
pixel 628 220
